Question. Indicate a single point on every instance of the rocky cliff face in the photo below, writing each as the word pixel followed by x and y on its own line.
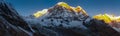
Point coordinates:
pixel 58 21
pixel 11 23
pixel 69 23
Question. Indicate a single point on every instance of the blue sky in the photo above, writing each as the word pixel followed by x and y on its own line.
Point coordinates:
pixel 92 7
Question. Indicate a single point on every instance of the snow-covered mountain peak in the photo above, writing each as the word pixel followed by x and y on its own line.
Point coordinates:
pixel 60 8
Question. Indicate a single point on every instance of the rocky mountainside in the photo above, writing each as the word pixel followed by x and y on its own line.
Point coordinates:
pixel 65 22
pixel 11 23
pixel 58 21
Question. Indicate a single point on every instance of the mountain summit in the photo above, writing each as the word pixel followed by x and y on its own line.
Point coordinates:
pixel 64 19
pixel 59 20
pixel 62 13
pixel 64 5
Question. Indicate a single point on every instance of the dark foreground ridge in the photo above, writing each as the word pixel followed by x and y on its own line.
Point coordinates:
pixel 11 23
pixel 60 22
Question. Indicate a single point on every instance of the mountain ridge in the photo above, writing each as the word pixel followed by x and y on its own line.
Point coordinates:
pixel 58 16
pixel 59 21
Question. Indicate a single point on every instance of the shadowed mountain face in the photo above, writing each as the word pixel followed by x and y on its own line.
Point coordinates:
pixel 11 23
pixel 58 21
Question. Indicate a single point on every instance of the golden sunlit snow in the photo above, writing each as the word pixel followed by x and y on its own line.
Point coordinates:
pixel 78 9
pixel 40 13
pixel 107 18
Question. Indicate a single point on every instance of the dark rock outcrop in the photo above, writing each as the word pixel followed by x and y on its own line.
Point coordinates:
pixel 11 23
pixel 101 28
